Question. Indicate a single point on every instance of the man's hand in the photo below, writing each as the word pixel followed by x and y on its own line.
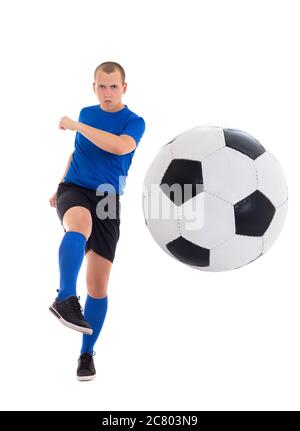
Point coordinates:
pixel 53 200
pixel 67 124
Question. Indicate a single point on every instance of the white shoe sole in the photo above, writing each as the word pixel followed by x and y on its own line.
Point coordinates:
pixel 81 329
pixel 85 378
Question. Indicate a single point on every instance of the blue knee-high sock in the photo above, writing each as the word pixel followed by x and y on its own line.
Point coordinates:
pixel 94 313
pixel 71 254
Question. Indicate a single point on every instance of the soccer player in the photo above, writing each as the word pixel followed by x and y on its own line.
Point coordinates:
pixel 87 202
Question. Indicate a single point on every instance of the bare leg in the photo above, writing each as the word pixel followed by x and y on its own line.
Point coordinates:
pixel 97 274
pixel 78 219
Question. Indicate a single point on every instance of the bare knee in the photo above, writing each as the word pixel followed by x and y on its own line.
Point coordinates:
pixel 97 283
pixel 97 274
pixel 97 286
pixel 97 291
pixel 78 219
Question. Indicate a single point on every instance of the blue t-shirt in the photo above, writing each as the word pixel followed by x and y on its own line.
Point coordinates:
pixel 91 166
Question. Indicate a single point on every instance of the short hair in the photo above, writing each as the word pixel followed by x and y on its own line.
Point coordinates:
pixel 109 67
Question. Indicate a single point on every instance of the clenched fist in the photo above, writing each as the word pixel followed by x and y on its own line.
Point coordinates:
pixel 66 123
pixel 53 200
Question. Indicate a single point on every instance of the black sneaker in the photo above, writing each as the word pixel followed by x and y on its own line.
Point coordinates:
pixel 69 313
pixel 86 368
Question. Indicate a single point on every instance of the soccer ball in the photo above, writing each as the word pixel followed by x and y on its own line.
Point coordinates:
pixel 214 198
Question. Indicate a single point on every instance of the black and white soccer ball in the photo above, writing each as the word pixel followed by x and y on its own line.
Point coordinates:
pixel 214 198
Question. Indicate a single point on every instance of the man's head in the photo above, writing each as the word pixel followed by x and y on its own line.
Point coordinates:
pixel 109 85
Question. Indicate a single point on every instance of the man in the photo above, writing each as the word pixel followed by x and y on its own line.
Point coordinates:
pixel 105 142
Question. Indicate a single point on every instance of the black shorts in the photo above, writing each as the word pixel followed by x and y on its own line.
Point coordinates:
pixel 105 231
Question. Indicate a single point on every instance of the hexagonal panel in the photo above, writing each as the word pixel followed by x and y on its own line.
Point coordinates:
pixel 229 175
pixel 237 252
pixel 158 167
pixel 275 227
pixel 198 143
pixel 161 217
pixel 271 179
pixel 206 220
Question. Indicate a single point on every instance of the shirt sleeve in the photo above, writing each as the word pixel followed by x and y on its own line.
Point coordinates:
pixel 77 133
pixel 80 115
pixel 135 128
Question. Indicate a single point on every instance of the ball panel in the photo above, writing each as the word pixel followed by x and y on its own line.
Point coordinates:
pixel 207 221
pixel 229 175
pixel 161 217
pixel 182 180
pixel 237 252
pixel 271 179
pixel 275 227
pixel 158 167
pixel 198 143
pixel 243 142
pixel 189 253
pixel 253 214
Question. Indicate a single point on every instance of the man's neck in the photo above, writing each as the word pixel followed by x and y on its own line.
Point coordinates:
pixel 116 109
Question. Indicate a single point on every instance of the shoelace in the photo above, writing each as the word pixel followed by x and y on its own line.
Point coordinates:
pixel 74 302
pixel 87 355
pixel 86 359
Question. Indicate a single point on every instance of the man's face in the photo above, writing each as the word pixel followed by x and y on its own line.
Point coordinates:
pixel 109 89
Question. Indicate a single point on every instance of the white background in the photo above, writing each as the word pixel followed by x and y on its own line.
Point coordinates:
pixel 174 337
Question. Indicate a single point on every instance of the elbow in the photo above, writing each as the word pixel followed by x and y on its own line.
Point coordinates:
pixel 122 152
pixel 125 147
pixel 119 151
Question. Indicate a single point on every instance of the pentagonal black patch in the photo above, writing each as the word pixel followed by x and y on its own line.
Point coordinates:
pixel 182 180
pixel 189 253
pixel 253 214
pixel 243 142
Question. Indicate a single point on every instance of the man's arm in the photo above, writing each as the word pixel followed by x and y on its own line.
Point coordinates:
pixel 67 167
pixel 107 141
